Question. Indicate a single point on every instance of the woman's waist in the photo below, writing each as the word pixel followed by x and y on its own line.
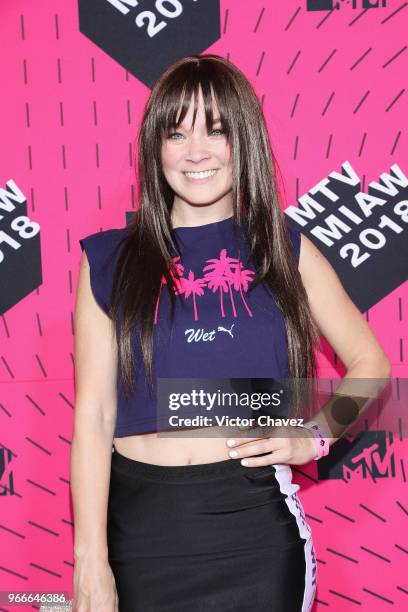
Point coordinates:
pixel 184 447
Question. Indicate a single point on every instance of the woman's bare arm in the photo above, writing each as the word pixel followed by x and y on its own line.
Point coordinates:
pixel 346 330
pixel 94 420
pixel 348 333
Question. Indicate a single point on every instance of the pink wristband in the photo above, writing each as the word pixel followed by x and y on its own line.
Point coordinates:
pixel 320 438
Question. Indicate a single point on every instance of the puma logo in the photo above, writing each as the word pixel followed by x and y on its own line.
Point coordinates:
pixel 220 328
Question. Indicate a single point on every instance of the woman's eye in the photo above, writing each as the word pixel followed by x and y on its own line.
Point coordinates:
pixel 171 135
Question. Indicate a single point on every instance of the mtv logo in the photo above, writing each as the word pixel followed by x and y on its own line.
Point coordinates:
pixel 369 455
pixel 6 473
pixel 329 5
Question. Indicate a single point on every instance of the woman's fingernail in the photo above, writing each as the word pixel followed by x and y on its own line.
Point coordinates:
pixel 231 442
pixel 233 453
pixel 244 462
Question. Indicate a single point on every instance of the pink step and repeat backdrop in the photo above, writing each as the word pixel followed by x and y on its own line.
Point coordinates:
pixel 75 76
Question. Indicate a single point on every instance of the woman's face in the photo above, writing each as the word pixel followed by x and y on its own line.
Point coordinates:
pixel 187 154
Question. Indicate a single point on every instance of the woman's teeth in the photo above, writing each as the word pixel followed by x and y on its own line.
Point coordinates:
pixel 200 175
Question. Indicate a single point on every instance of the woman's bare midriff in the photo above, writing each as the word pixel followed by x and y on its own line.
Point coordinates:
pixel 199 447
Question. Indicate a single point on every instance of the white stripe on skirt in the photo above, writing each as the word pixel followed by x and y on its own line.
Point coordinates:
pixel 290 489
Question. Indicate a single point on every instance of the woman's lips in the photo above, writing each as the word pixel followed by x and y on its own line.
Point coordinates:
pixel 204 179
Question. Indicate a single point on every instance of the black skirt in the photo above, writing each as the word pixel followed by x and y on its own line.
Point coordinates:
pixel 214 536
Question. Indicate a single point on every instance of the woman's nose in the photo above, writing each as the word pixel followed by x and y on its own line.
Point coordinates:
pixel 197 156
pixel 197 149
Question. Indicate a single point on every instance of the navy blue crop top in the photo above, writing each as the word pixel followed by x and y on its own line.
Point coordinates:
pixel 220 330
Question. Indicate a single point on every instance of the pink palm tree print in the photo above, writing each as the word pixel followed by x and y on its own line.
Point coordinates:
pixel 241 278
pixel 223 274
pixel 193 286
pixel 219 273
pixel 177 281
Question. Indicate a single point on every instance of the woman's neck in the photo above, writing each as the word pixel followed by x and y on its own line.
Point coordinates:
pixel 187 215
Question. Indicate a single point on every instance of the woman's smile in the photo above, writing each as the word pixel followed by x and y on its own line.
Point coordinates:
pixel 200 177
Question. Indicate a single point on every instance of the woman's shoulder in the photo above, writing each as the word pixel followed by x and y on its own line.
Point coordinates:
pixel 102 250
pixel 108 236
pixel 104 243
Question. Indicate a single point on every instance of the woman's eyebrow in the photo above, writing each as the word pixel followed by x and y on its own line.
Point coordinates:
pixel 215 121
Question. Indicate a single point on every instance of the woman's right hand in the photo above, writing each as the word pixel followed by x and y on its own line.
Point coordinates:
pixel 94 587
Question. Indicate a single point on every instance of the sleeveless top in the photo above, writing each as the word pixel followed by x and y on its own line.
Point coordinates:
pixel 220 330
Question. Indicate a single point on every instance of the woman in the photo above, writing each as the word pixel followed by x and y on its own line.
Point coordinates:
pixel 206 283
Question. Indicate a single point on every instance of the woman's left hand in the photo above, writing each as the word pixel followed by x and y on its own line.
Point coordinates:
pixel 288 448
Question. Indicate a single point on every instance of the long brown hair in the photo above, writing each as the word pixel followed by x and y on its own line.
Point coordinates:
pixel 150 245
